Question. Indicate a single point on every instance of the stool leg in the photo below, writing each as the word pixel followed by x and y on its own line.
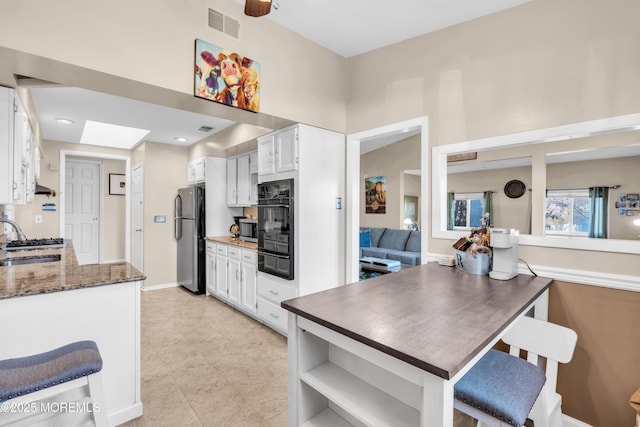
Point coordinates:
pixel 96 393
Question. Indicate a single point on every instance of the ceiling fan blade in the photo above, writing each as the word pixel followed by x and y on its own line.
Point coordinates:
pixel 257 8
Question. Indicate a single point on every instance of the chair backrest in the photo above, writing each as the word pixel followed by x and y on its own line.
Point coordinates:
pixel 539 338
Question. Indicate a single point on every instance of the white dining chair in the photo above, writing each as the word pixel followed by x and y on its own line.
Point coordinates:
pixel 503 389
pixel 61 387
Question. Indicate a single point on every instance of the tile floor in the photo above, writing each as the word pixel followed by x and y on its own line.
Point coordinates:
pixel 206 364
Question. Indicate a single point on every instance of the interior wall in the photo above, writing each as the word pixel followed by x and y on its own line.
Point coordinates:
pixel 300 80
pixel 165 171
pixel 390 161
pixel 542 64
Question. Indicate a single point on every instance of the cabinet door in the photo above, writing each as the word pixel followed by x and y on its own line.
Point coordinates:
pixel 265 155
pixel 191 173
pixel 221 276
pixel 234 281
pixel 243 185
pixel 253 161
pixel 249 275
pixel 200 171
pixel 232 173
pixel 286 153
pixel 6 146
pixel 211 272
pixel 253 196
pixel 19 146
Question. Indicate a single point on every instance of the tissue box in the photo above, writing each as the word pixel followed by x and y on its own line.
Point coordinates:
pixel 478 264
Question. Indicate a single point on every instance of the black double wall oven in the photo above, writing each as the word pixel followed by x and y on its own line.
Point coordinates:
pixel 275 228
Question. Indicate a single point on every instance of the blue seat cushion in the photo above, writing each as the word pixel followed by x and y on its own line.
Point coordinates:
pixel 365 238
pixel 409 258
pixel 374 252
pixel 501 385
pixel 414 244
pixel 28 374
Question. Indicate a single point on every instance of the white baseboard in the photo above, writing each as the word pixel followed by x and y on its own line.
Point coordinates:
pixel 572 422
pixel 112 261
pixel 128 414
pixel 160 286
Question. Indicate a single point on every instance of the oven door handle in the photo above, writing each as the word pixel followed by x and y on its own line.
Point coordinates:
pixel 272 254
pixel 281 205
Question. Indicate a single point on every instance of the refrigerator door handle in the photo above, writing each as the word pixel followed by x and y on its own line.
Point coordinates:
pixel 177 220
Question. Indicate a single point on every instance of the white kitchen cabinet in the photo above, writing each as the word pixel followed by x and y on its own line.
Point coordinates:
pixel 278 153
pixel 248 280
pixel 314 159
pixel 196 171
pixel 239 181
pixel 17 179
pixel 253 161
pixel 221 267
pixel 233 274
pixel 211 268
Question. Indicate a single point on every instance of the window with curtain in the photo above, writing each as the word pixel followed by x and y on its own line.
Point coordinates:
pixel 598 201
pixel 466 210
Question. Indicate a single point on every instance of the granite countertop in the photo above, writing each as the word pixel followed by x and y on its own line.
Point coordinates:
pixel 228 240
pixel 56 276
pixel 433 317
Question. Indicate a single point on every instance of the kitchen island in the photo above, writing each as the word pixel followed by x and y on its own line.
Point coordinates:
pixel 388 350
pixel 45 305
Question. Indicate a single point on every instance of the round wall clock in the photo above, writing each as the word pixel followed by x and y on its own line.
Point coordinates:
pixel 514 188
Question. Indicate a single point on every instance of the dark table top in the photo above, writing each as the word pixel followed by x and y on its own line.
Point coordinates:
pixel 434 317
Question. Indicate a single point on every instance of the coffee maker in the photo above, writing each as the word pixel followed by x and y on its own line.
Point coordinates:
pixel 504 242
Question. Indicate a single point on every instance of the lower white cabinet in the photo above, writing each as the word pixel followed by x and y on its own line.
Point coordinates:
pixel 232 275
pixel 271 292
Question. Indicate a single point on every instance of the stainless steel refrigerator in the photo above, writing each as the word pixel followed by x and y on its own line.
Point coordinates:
pixel 189 231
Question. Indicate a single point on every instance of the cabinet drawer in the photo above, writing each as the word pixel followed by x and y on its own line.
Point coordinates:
pixel 249 255
pixel 221 249
pixel 274 291
pixel 211 248
pixel 234 252
pixel 271 313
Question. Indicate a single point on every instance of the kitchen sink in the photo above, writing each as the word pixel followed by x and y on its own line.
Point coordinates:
pixel 29 260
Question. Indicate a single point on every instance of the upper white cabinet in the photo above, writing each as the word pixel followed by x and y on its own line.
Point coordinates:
pixel 240 183
pixel 17 171
pixel 196 171
pixel 278 152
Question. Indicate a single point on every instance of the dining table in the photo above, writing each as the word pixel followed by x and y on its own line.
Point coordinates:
pixel 388 351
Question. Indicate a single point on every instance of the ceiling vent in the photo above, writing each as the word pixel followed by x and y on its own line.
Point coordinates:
pixel 204 128
pixel 225 24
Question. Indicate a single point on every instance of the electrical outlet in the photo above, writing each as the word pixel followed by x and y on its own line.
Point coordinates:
pixel 38 219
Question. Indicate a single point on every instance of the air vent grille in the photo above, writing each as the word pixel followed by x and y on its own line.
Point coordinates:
pixel 205 128
pixel 223 23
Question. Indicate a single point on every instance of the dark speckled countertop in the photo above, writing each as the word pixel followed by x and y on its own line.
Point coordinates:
pixel 56 276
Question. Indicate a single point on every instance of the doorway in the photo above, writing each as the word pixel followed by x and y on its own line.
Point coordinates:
pixel 417 126
pixel 137 217
pixel 123 240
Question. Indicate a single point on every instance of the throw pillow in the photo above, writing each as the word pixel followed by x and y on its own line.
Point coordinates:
pixel 365 238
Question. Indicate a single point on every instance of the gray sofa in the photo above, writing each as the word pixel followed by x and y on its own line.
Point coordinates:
pixel 389 243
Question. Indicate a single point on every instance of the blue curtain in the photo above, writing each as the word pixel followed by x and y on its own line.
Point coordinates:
pixel 598 198
pixel 450 213
pixel 488 205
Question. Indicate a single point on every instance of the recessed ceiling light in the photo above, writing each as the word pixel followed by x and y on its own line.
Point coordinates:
pixel 64 121
pixel 108 135
pixel 180 139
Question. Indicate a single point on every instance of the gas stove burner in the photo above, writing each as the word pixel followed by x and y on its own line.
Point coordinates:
pixel 34 243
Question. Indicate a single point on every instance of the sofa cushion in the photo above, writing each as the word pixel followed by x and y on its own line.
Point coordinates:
pixel 413 244
pixel 376 235
pixel 365 238
pixel 405 257
pixel 374 252
pixel 394 239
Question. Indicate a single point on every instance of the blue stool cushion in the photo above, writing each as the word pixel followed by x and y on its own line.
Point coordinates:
pixel 501 385
pixel 28 374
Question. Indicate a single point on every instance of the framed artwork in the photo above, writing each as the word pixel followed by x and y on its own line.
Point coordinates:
pixel 375 194
pixel 632 212
pixel 226 77
pixel 117 184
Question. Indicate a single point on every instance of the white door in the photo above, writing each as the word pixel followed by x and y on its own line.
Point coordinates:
pixel 82 209
pixel 136 214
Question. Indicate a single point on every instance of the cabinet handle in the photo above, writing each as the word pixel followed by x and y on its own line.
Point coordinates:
pixel 275 316
pixel 273 292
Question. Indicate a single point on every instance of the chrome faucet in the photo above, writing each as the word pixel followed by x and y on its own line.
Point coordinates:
pixel 19 232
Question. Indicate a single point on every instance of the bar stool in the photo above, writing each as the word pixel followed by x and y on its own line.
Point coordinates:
pixel 502 389
pixel 27 385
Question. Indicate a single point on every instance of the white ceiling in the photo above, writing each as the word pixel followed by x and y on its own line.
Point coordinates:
pixel 345 27
pixel 352 27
